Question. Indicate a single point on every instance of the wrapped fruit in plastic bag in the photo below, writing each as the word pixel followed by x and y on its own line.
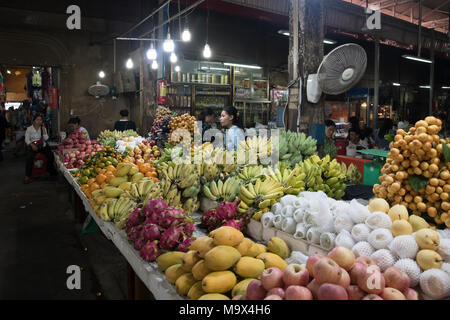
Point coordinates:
pixel 411 268
pixel 360 232
pixel 404 246
pixel 358 212
pixel 435 284
pixel 380 238
pixel 378 220
pixel 344 239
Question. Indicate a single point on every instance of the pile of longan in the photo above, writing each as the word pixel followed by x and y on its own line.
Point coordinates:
pixel 418 152
pixel 184 121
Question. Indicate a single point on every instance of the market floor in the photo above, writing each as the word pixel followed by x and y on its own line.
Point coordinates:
pixel 40 239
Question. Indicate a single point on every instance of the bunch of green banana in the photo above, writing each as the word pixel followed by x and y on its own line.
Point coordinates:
pixel 291 180
pixel 191 205
pixel 192 191
pixel 260 195
pixel 222 191
pixel 249 174
pixel 209 172
pixel 116 209
pixel 294 147
pixel 143 191
pixel 182 175
pixel 352 174
pixel 173 196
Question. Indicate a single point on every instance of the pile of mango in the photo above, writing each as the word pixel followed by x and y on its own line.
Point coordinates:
pixel 221 265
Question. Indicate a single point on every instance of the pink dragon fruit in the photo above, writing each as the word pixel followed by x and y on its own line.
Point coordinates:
pixel 185 244
pixel 155 206
pixel 151 232
pixel 188 228
pixel 135 218
pixel 150 251
pixel 171 237
pixel 139 243
pixel 210 220
pixel 234 223
pixel 226 211
pixel 134 233
pixel 171 216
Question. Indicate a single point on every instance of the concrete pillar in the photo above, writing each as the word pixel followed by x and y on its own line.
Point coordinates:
pixel 306 28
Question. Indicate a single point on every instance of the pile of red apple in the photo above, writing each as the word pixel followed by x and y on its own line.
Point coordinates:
pixel 146 150
pixel 339 276
pixel 82 148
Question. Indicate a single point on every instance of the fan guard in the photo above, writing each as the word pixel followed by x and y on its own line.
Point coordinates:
pixel 98 90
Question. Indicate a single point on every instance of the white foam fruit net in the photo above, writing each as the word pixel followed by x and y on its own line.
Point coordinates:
pixel 404 246
pixel 378 220
pixel 380 238
pixel 411 268
pixel 360 232
pixel 446 267
pixel 435 284
pixel 342 221
pixel 313 235
pixel 384 259
pixel 344 239
pixel 358 213
pixel 363 249
pixel 444 249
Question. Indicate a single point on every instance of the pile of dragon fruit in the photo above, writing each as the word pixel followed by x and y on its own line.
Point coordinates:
pixel 225 215
pixel 157 228
pixel 84 148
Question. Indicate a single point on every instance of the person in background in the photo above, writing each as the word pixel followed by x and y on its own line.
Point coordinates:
pixel 124 123
pixel 385 129
pixel 207 119
pixel 366 137
pixel 329 147
pixel 3 126
pixel 74 125
pixel 35 139
pixel 354 123
pixel 229 119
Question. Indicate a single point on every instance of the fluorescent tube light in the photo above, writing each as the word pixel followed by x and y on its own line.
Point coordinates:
pixel 242 65
pixel 396 84
pixel 424 87
pixel 415 58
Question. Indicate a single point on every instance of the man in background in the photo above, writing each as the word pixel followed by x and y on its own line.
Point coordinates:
pixel 124 123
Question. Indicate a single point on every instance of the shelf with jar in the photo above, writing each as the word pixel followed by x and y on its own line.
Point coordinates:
pixel 179 97
pixel 201 73
pixel 250 84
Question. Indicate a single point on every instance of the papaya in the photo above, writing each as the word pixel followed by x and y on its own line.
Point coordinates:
pixel 219 282
pixel 99 200
pixel 278 246
pixel 112 192
pixel 203 245
pixel 133 171
pixel 125 186
pixel 200 270
pixel 117 181
pixel 244 246
pixel 168 259
pixel 256 249
pixel 227 236
pixel 196 291
pixel 221 258
pixel 136 177
pixel 174 272
pixel 189 260
pixel 241 287
pixel 248 267
pixel 184 283
pixel 272 260
pixel 213 296
pixel 123 170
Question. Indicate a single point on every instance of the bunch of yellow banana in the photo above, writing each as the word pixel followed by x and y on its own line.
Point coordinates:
pixel 222 191
pixel 116 210
pixel 182 175
pixel 260 195
pixel 191 205
pixel 143 191
pixel 208 171
pixel 291 180
pixel 173 196
pixel 249 174
pixel 256 143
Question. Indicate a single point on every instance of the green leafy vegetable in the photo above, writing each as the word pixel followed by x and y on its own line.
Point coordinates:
pixel 446 151
pixel 417 182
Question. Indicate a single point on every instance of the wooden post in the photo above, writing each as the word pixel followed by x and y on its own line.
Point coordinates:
pixel 141 86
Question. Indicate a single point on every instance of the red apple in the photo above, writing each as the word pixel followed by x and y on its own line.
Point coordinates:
pixel 344 257
pixel 273 297
pixel 372 297
pixel 298 293
pixel 295 274
pixel 355 293
pixel 392 294
pixel 272 278
pixel 367 261
pixel 345 279
pixel 329 291
pixel 358 270
pixel 311 262
pixel 396 278
pixel 327 271
pixel 411 294
pixel 372 282
pixel 277 291
pixel 313 286
pixel 255 290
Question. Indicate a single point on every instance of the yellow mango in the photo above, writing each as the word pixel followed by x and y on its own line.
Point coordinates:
pixel 219 282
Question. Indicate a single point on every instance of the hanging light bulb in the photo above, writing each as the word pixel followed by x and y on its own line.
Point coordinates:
pixel 168 44
pixel 151 53
pixel 177 69
pixel 186 35
pixel 101 74
pixel 129 64
pixel 207 51
pixel 173 57
pixel 154 65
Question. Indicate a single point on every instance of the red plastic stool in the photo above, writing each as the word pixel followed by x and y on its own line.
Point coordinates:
pixel 39 165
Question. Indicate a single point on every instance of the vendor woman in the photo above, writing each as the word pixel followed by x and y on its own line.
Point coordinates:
pixel 329 147
pixel 74 125
pixel 229 120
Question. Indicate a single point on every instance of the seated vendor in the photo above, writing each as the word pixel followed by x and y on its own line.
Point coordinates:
pixel 74 125
pixel 355 143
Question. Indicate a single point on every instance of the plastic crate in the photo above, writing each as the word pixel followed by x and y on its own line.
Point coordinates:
pixel 372 172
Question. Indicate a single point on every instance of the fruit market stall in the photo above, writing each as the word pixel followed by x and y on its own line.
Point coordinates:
pixel 217 230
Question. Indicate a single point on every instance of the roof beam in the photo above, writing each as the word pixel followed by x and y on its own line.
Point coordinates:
pixel 433 10
pixel 394 4
pixel 435 22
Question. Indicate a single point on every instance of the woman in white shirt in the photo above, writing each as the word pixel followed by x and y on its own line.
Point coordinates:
pixel 234 134
pixel 35 140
